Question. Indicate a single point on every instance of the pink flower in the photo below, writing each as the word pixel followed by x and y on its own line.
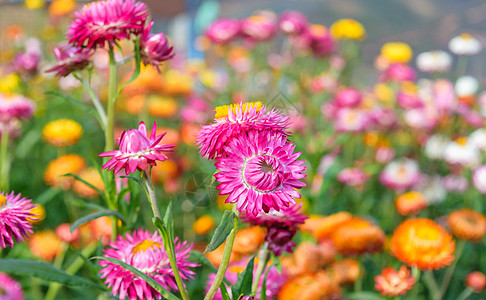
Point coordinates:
pixel 14 219
pixel 144 251
pixel 234 120
pixel 15 107
pixel 261 27
pixel 384 154
pixel 401 174
pixel 11 289
pixel 351 120
pixel 453 183
pixel 260 172
pixel 154 48
pixel 408 100
pixel 292 22
pixel 137 150
pixel 398 72
pixel 479 179
pixel 348 97
pixel 223 31
pixel 319 40
pixel 352 176
pixel 107 21
pixel 70 59
pixel 444 96
pixel 26 63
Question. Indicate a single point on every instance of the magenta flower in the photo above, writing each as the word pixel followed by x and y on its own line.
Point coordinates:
pixel 70 59
pixel 15 107
pixel 234 120
pixel 223 31
pixel 260 172
pixel 352 176
pixel 292 22
pixel 352 120
pixel 261 27
pixel 398 72
pixel 137 150
pixel 26 63
pixel 107 21
pixel 408 100
pixel 348 97
pixel 9 288
pixel 14 219
pixel 319 40
pixel 144 251
pixel 154 48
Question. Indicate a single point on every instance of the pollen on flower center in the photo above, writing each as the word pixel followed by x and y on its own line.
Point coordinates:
pixel 466 36
pixel 222 111
pixel 3 201
pixel 462 141
pixel 145 245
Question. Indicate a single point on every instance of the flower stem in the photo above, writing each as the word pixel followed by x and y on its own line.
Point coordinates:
pixel 150 191
pixel 112 97
pixel 463 296
pixel 416 276
pixel 225 260
pixel 262 263
pixel 432 285
pixel 96 101
pixel 451 268
pixel 4 160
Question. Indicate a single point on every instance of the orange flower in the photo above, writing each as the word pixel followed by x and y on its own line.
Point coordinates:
pixel 163 107
pixel 322 226
pixel 357 236
pixel 101 229
pixel 216 256
pixel 310 286
pixel 69 163
pixel 135 104
pixel 166 171
pixel 410 203
pixel 59 8
pixel 421 242
pixel 91 176
pixel 189 132
pixel 394 283
pixel 203 224
pixel 308 258
pixel 476 281
pixel 62 132
pixel 172 136
pixel 63 232
pixel 45 244
pixel 346 271
pixel 14 32
pixel 249 240
pixel 467 224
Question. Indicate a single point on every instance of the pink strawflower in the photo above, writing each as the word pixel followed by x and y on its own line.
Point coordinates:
pixel 408 100
pixel 223 31
pixel 144 251
pixel 352 176
pixel 154 48
pixel 384 154
pixel 70 59
pixel 454 183
pixel 15 107
pixel 14 219
pixel 479 179
pixel 261 27
pixel 13 128
pixel 107 21
pixel 444 96
pixel 10 289
pixel 401 174
pixel 398 72
pixel 234 120
pixel 348 97
pixel 351 120
pixel 260 172
pixel 26 63
pixel 319 40
pixel 292 22
pixel 383 117
pixel 137 150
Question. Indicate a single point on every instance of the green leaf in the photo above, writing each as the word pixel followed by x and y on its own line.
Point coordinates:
pixel 277 263
pixel 165 293
pixel 162 228
pixel 96 215
pixel 264 285
pixel 83 203
pixel 74 101
pixel 222 231
pixel 86 183
pixel 224 292
pixel 47 195
pixel 138 62
pixel 243 284
pixel 168 220
pixel 44 271
pixel 138 180
pixel 364 296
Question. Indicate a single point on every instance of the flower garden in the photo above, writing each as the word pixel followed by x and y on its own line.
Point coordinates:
pixel 268 169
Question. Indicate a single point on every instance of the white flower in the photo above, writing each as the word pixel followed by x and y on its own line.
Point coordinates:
pixel 434 61
pixel 435 146
pixel 433 189
pixel 463 152
pixel 466 86
pixel 465 44
pixel 478 138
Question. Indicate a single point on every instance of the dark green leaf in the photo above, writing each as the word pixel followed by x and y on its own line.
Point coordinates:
pixel 224 292
pixel 96 215
pixel 243 284
pixel 224 228
pixel 44 271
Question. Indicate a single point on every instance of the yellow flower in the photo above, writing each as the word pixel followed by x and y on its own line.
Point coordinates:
pixel 222 111
pixel 39 213
pixel 34 4
pixel 163 107
pixel 348 29
pixel 384 93
pixel 397 52
pixel 69 163
pixel 9 83
pixel 60 8
pixel 45 244
pixel 177 83
pixel 62 132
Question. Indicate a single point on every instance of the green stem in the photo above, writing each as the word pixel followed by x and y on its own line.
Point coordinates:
pixel 96 101
pixel 358 284
pixel 450 270
pixel 169 246
pixel 432 285
pixel 262 263
pixel 112 97
pixel 4 160
pixel 416 276
pixel 225 260
pixel 463 296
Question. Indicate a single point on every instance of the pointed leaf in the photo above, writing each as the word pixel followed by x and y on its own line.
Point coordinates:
pixel 243 284
pixel 47 195
pixel 96 215
pixel 85 182
pixel 222 231
pixel 168 219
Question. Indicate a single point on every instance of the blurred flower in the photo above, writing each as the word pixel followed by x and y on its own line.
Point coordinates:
pixel 249 240
pixel 310 286
pixel 384 154
pixel 292 22
pixel 177 83
pixel 322 227
pixel 70 59
pixel 107 21
pixel 203 224
pixel 14 32
pixel 353 177
pixel 478 138
pixel 394 283
pixel 479 179
pixel 462 152
pixel 137 150
pixel 144 251
pixel 357 236
pixel 309 257
pixel 351 120
pixel 434 61
pixel 101 229
pixel 62 132
pixel 154 48
pixel 68 163
pixel 26 63
pixel 60 8
pixel 45 244
pixel 398 72
pixel 408 97
pixel 454 183
pixel 348 97
pixel 162 107
pixel 346 271
pixel 435 146
pixel 319 40
pixel 15 107
pixel 195 111
pixel 465 44
pixel 466 86
pixel 223 31
pixel 34 4
pixel 93 177
pixel 467 224
pixel 397 52
pixel 64 233
pixel 476 281
pixel 348 29
pixel 259 27
pixel 422 243
pixel 15 216
pixel 38 214
pixel 410 203
pixel 400 174
pixel 443 96
pixel 9 83
pixel 9 288
pixel 432 189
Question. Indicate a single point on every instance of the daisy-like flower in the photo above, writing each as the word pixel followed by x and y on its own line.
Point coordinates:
pixel 400 174
pixel 466 86
pixel 137 150
pixel 15 107
pixel 107 21
pixel 10 289
pixel 260 172
pixel 398 72
pixel 144 251
pixel 292 22
pixel 45 244
pixel 70 59
pixel 465 44
pixel 434 61
pixel 422 243
pixel 68 163
pixel 467 224
pixel 396 52
pixel 154 48
pixel 357 236
pixel 348 29
pixel 462 152
pixel 223 31
pixel 348 97
pixel 15 213
pixel 234 120
pixel 478 138
pixel 394 283
pixel 435 145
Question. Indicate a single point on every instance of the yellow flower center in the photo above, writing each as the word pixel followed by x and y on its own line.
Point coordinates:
pixel 462 141
pixel 257 19
pixel 222 111
pixel 428 233
pixel 466 36
pixel 143 246
pixel 3 201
